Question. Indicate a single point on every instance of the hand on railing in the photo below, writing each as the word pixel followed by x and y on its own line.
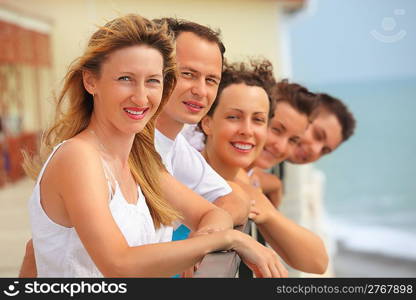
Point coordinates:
pixel 189 273
pixel 263 261
pixel 259 213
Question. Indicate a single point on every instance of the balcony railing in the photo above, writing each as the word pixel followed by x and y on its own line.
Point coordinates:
pixel 224 264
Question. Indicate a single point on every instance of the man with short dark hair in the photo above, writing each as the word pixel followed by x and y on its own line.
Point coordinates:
pixel 199 57
pixel 332 125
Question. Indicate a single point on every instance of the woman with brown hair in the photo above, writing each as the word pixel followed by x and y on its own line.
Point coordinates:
pixel 236 130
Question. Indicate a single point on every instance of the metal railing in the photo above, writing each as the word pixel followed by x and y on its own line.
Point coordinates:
pixel 228 264
pixel 224 264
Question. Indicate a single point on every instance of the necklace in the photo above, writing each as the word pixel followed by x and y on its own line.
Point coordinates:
pixel 108 166
pixel 112 168
pixel 102 147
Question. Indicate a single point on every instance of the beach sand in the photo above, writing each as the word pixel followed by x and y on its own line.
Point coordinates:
pixel 351 263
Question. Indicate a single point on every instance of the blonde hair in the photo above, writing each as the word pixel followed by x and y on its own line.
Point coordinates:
pixel 75 105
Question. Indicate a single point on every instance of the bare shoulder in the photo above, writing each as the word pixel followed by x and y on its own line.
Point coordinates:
pixel 242 176
pixel 74 183
pixel 269 182
pixel 235 186
pixel 239 187
pixel 74 152
pixel 251 191
pixel 75 160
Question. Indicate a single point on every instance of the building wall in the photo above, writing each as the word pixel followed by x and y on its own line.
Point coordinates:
pixel 249 28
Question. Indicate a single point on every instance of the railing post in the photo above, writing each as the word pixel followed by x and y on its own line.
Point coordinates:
pixel 224 264
pixel 243 270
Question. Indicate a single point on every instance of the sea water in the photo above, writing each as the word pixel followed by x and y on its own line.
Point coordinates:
pixel 370 193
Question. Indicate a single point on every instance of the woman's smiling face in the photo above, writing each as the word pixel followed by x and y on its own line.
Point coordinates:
pixel 236 132
pixel 128 89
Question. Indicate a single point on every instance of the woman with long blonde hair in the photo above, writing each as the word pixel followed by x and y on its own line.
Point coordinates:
pixel 102 204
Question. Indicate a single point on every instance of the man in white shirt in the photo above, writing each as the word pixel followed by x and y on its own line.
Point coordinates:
pixel 199 57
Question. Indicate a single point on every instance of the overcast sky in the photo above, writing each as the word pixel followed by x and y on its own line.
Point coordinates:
pixel 349 40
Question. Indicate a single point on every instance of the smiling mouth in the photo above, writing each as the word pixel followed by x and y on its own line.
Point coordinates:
pixel 136 114
pixel 242 147
pixel 133 112
pixel 271 154
pixel 193 107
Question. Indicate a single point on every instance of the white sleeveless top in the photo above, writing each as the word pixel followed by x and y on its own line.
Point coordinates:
pixel 58 250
